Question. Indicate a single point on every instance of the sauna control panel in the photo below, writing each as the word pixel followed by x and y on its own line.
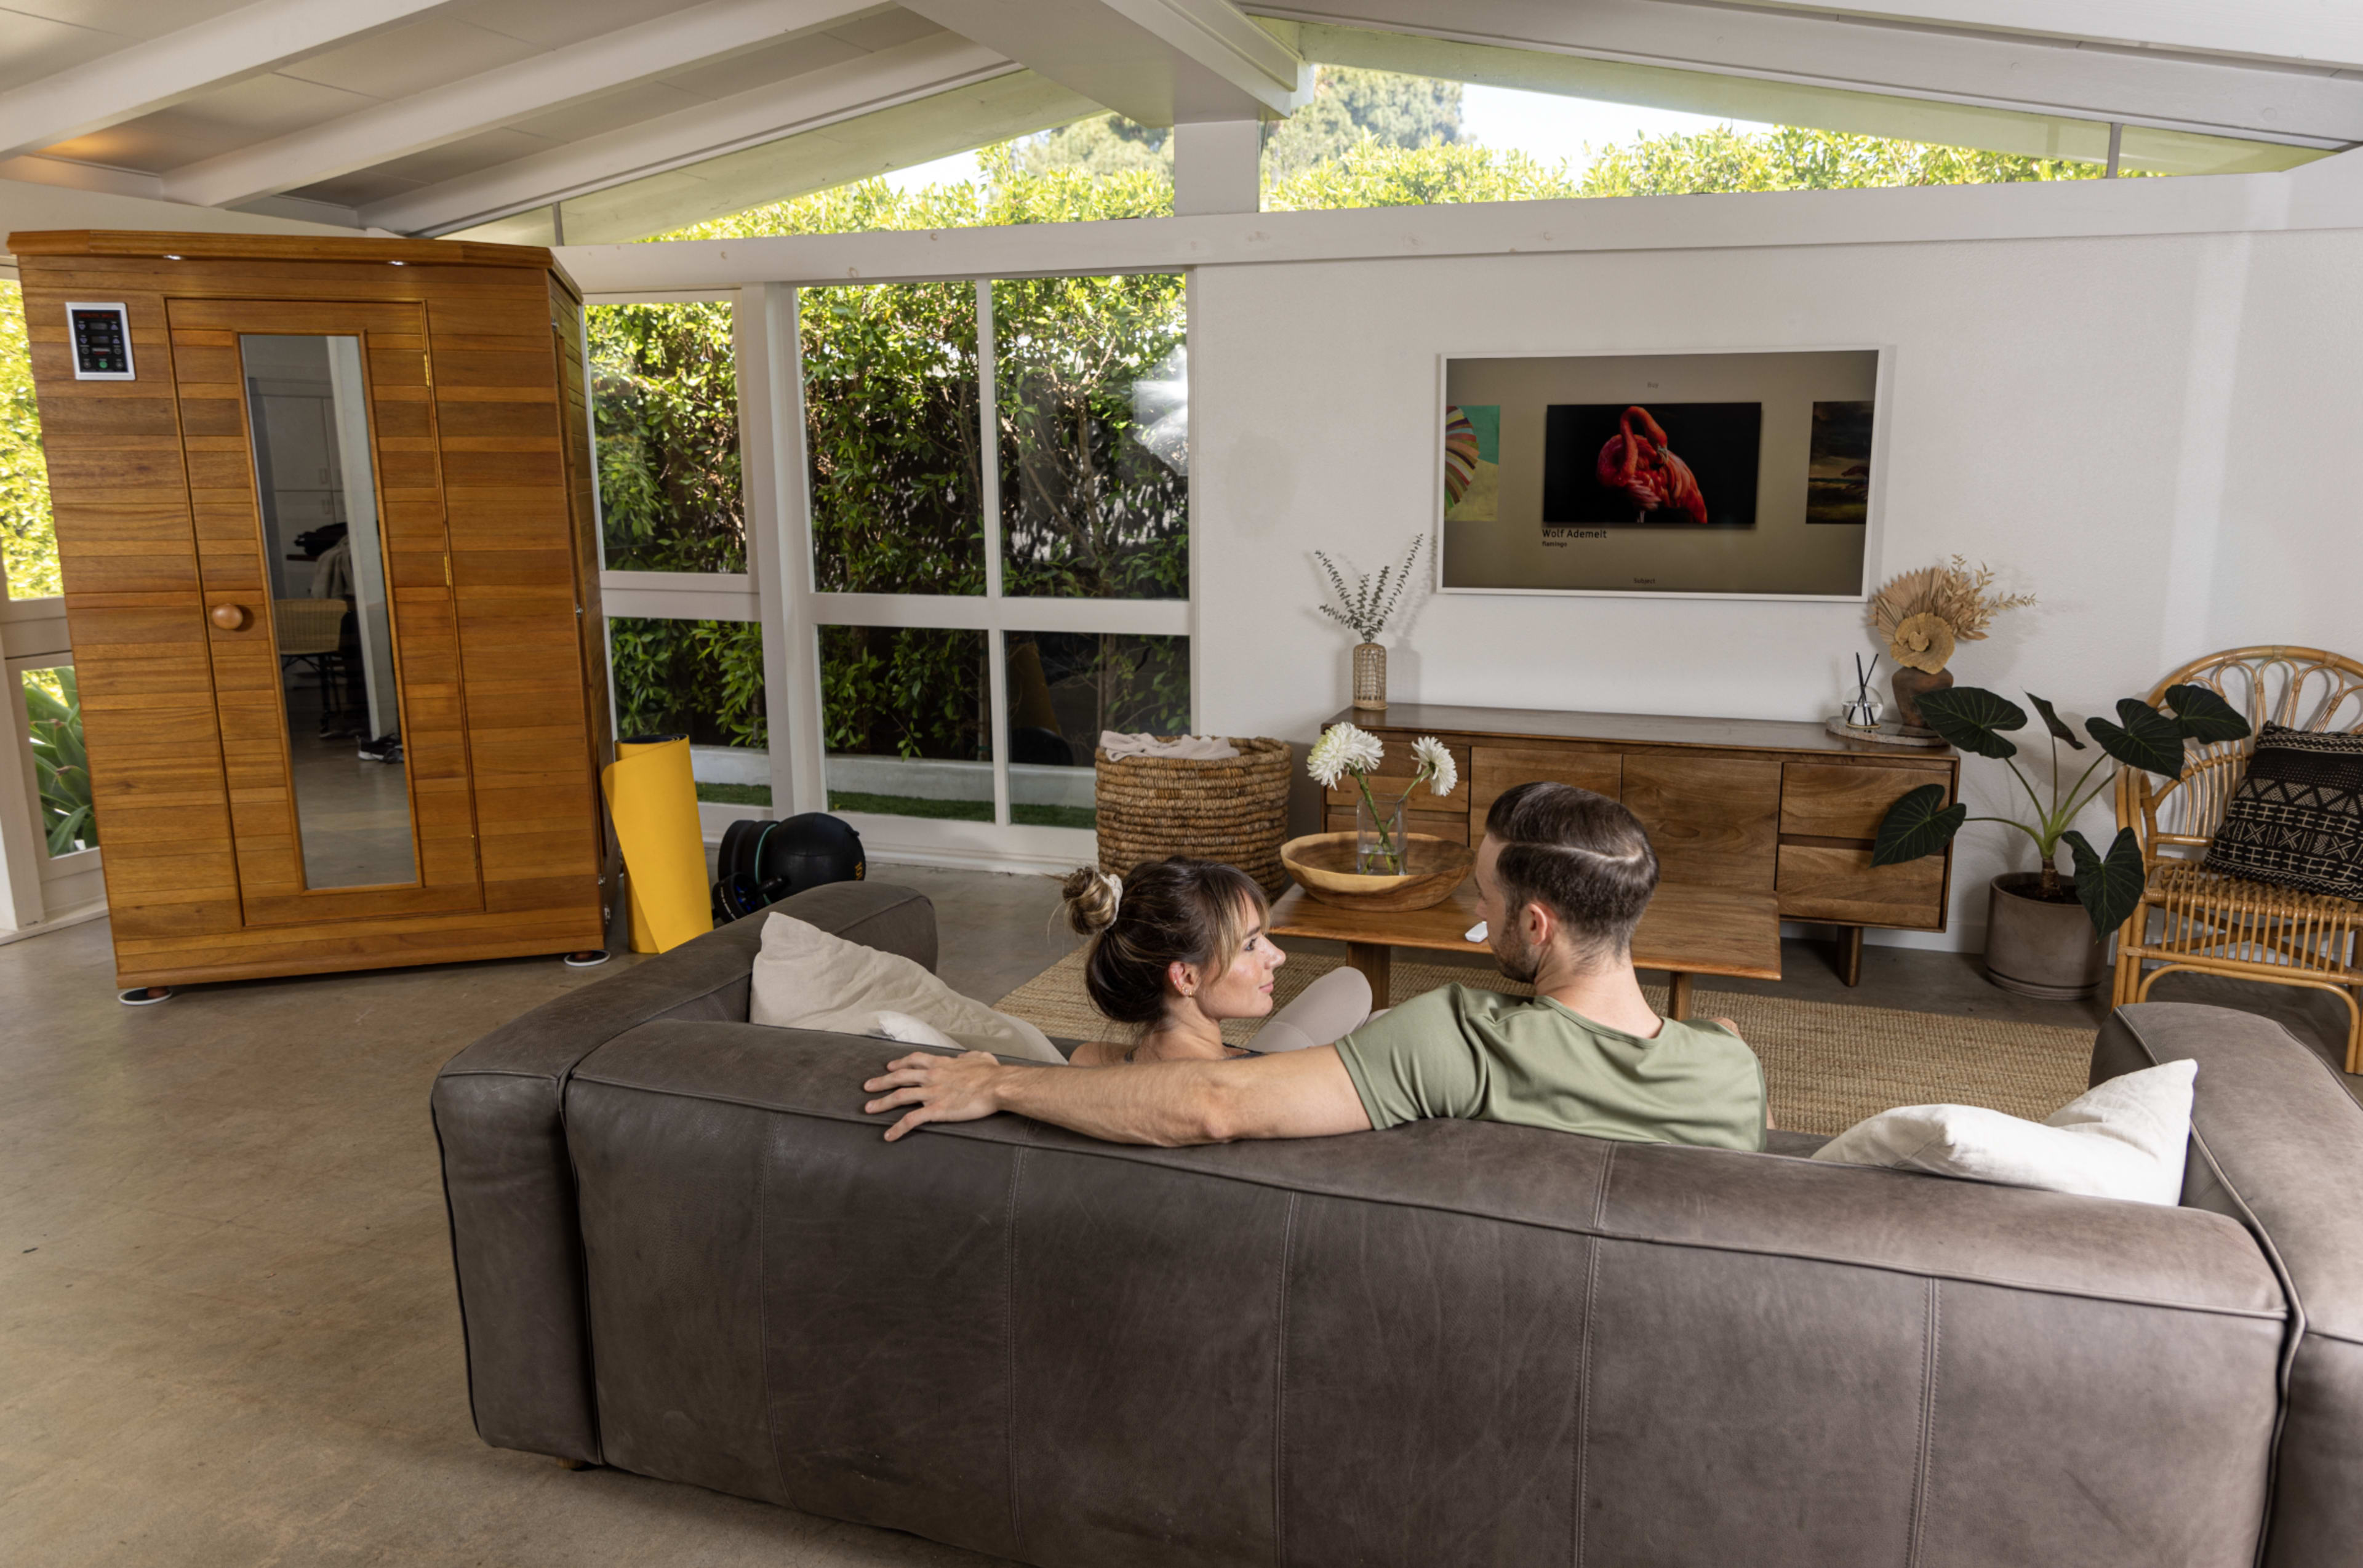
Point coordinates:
pixel 102 342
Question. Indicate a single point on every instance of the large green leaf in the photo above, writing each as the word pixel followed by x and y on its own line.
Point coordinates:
pixel 2110 886
pixel 2142 738
pixel 2053 722
pixel 1916 827
pixel 1973 718
pixel 2202 715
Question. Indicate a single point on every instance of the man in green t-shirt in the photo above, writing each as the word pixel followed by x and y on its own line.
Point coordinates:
pixel 1562 878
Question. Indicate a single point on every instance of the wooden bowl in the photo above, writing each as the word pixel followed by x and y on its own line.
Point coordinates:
pixel 1322 865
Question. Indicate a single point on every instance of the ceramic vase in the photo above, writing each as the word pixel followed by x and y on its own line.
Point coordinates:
pixel 1910 685
pixel 1378 838
pixel 1370 676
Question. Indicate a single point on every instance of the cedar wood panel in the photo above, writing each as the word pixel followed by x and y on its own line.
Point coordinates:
pixel 492 576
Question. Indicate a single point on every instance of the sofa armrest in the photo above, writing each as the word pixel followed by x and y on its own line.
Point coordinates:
pixel 2277 1143
pixel 508 1185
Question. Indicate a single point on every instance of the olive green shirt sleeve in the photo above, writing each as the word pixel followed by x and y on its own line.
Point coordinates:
pixel 1414 1064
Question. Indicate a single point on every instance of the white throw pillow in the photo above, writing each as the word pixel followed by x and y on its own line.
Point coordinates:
pixel 909 1031
pixel 804 978
pixel 2125 1139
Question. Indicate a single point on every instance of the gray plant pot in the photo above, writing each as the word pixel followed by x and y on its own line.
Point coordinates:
pixel 2037 948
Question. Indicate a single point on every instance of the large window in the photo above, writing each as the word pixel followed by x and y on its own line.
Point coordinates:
pixel 980 622
pixel 988 564
pixel 664 397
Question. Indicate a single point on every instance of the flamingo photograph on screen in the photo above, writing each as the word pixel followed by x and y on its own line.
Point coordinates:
pixel 1751 473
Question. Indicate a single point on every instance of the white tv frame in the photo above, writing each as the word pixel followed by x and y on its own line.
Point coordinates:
pixel 1874 527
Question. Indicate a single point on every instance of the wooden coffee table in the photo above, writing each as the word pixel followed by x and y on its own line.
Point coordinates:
pixel 1686 931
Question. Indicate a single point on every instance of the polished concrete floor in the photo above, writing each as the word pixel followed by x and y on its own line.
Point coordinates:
pixel 227 1333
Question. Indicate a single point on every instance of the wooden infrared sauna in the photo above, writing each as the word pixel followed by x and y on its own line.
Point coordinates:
pixel 324 510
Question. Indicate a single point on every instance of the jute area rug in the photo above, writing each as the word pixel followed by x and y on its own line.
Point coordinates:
pixel 1827 1066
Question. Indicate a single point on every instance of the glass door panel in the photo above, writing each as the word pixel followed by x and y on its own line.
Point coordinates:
pixel 324 557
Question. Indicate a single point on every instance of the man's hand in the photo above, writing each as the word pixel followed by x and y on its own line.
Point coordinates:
pixel 937 1088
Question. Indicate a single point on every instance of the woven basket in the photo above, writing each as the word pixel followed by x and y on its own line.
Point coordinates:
pixel 1233 810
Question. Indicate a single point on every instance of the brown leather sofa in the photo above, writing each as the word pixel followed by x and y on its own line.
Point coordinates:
pixel 683 1249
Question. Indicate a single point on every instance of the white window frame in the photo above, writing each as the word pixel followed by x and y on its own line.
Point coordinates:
pixel 38 891
pixel 777 590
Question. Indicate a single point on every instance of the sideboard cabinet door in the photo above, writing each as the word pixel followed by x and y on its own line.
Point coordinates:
pixel 1716 820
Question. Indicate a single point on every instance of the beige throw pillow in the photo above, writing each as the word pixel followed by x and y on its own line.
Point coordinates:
pixel 804 978
pixel 2124 1140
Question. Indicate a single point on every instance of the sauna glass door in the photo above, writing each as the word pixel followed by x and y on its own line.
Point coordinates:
pixel 331 635
pixel 308 413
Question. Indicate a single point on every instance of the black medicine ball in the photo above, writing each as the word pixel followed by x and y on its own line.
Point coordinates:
pixel 760 862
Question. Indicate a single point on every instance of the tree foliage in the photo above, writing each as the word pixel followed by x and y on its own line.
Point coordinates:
pixel 28 539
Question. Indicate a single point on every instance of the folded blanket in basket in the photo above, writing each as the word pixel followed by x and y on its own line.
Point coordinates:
pixel 1195 748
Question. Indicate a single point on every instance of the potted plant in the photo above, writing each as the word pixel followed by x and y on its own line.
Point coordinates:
pixel 2037 945
pixel 1365 608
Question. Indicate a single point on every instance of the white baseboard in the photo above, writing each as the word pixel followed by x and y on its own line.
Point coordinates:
pixel 81 915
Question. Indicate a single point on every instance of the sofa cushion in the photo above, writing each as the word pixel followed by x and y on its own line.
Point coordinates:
pixel 2123 1139
pixel 806 978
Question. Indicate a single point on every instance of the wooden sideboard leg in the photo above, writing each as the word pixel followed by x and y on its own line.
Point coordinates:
pixel 1850 956
pixel 1376 960
pixel 1678 996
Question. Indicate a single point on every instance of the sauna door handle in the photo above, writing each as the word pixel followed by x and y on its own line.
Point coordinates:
pixel 231 617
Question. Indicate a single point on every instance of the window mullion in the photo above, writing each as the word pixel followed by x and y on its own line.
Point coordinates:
pixel 989 490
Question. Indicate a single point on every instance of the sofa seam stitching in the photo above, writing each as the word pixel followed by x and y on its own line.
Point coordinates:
pixel 1584 1397
pixel 1009 1334
pixel 1280 1392
pixel 1931 1352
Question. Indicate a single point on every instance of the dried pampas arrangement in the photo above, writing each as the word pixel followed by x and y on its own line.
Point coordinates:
pixel 1923 613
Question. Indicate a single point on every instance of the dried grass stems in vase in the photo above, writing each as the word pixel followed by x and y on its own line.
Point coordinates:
pixel 1924 615
pixel 1365 608
pixel 1347 749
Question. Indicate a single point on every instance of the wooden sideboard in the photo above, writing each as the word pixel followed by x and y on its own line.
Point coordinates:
pixel 1757 805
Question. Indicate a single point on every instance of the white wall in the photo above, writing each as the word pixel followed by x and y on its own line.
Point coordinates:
pixel 2161 436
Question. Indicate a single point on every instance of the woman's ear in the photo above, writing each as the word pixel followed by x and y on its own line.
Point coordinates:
pixel 1180 978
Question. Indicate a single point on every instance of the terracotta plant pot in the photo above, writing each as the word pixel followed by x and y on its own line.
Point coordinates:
pixel 1908 684
pixel 2039 947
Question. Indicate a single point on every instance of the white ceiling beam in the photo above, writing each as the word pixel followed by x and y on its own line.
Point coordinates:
pixel 821 98
pixel 26 205
pixel 2215 96
pixel 2312 33
pixel 502 96
pixel 1154 61
pixel 163 71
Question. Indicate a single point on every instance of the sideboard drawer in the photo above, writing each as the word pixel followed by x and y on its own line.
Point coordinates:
pixel 1713 820
pixel 1496 769
pixel 1822 883
pixel 1397 766
pixel 1831 800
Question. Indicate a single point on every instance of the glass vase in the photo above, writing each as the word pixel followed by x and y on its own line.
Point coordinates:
pixel 1378 838
pixel 1370 676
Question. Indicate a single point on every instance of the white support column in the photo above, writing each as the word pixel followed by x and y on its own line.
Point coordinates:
pixel 20 850
pixel 1217 167
pixel 997 646
pixel 779 539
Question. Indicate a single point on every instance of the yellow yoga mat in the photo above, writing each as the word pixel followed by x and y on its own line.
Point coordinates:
pixel 653 800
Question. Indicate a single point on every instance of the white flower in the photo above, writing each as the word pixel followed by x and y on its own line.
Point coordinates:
pixel 1343 748
pixel 1435 765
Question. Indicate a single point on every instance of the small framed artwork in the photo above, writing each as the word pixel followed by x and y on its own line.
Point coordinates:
pixel 1751 474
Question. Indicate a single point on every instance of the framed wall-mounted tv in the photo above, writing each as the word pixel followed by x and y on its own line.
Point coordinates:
pixel 1747 474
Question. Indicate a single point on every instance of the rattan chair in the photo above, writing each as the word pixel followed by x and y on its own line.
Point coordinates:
pixel 2193 918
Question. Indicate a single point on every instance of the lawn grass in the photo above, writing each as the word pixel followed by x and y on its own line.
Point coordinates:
pixel 735 794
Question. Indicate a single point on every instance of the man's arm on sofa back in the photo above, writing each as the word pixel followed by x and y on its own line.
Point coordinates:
pixel 509 1186
pixel 2277 1143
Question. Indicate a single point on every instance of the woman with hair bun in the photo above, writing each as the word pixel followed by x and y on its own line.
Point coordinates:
pixel 1177 948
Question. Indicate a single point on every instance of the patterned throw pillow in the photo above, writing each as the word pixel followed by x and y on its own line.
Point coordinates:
pixel 2297 819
